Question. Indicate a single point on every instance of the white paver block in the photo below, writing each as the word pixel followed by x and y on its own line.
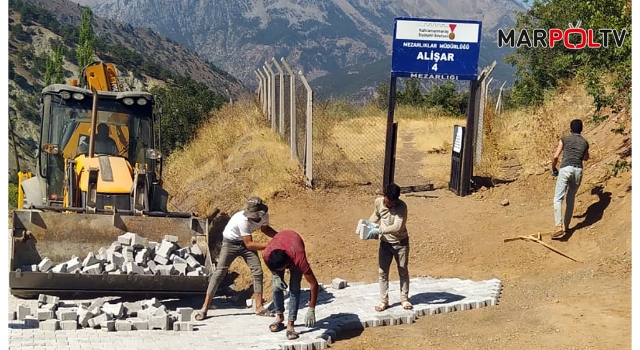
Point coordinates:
pixel 49 325
pixel 184 314
pixel 45 265
pixel 338 283
pixel 68 325
pixel 171 238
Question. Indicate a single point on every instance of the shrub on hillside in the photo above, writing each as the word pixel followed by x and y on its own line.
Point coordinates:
pixel 606 72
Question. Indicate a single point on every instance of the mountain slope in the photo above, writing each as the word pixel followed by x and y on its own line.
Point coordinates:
pixel 166 52
pixel 319 37
pixel 34 32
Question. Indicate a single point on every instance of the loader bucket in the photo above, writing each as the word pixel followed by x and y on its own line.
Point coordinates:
pixel 59 236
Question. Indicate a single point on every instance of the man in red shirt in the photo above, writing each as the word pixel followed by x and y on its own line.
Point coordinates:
pixel 286 251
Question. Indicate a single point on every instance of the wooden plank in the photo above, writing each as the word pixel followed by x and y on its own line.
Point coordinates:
pixel 538 240
pixel 539 235
pixel 421 195
pixel 417 188
pixel 531 238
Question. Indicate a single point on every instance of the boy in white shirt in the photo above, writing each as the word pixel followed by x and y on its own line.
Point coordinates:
pixel 237 241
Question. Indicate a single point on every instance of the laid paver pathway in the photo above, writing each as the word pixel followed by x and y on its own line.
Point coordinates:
pixel 230 327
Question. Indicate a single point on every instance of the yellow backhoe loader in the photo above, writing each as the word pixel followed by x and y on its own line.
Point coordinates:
pixel 98 176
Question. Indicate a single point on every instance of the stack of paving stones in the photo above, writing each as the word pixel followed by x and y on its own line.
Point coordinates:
pixel 132 254
pixel 53 314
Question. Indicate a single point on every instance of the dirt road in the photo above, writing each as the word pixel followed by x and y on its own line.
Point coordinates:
pixel 548 301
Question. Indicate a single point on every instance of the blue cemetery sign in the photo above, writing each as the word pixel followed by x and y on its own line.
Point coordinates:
pixel 436 48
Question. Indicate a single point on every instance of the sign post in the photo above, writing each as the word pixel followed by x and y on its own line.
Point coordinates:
pixel 431 49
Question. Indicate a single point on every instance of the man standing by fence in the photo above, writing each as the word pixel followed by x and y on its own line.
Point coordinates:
pixel 575 150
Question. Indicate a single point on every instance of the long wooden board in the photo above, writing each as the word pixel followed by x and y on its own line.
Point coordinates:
pixel 539 240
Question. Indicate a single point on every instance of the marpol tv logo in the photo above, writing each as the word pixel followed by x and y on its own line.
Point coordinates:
pixel 574 38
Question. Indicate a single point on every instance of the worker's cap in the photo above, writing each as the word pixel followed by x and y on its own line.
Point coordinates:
pixel 255 208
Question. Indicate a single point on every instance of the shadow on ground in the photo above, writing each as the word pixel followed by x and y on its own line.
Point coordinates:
pixel 593 213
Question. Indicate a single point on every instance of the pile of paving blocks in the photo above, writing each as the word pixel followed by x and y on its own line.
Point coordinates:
pixel 132 254
pixel 52 315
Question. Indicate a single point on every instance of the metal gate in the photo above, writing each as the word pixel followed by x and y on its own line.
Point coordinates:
pixel 455 182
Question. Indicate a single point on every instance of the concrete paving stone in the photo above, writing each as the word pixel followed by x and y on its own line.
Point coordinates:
pixel 159 322
pixel 116 310
pixel 159 311
pixel 44 314
pixel 23 311
pixel 122 325
pixel 184 314
pixel 338 283
pixel 161 261
pixel 171 238
pixel 338 311
pixel 108 326
pixel 138 324
pixel 49 306
pixel 95 305
pixel 49 325
pixel 45 265
pixel 89 260
pixel 183 326
pixel 68 325
pixel 125 239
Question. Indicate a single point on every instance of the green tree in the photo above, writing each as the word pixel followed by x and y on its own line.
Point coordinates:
pixel 448 98
pixel 411 95
pixel 54 71
pixel 12 70
pixel 539 70
pixel 185 106
pixel 84 52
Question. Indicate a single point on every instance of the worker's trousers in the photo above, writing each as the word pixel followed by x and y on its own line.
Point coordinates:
pixel 569 178
pixel 295 277
pixel 386 253
pixel 228 253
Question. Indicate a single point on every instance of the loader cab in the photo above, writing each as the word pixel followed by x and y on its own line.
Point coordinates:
pixel 124 128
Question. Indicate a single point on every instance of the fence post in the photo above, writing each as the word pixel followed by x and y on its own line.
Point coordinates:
pixel 499 103
pixel 281 99
pixel 478 132
pixel 267 94
pixel 292 110
pixel 272 97
pixel 263 83
pixel 308 158
pixel 467 155
pixel 260 89
pixel 258 92
pixel 389 153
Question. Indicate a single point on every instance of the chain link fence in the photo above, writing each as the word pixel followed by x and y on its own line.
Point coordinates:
pixel 348 146
pixel 335 146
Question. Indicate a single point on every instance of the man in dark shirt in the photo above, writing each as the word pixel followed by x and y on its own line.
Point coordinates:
pixel 575 150
pixel 286 251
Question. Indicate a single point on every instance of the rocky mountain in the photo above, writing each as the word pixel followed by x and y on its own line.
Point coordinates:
pixel 318 36
pixel 164 51
pixel 143 59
